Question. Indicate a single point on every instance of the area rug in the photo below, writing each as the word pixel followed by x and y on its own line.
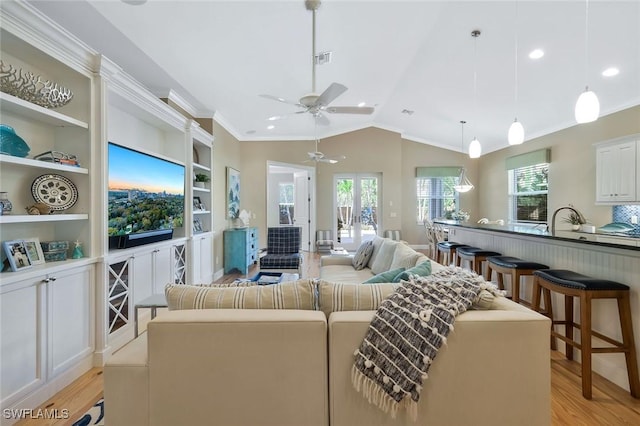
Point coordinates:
pixel 95 415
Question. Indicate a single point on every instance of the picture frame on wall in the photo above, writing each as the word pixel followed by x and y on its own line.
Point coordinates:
pixel 34 250
pixel 233 193
pixel 17 255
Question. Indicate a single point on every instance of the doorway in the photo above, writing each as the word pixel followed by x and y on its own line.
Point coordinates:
pixel 356 208
pixel 290 198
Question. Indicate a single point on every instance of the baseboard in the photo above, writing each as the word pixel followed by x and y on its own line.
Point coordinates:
pixel 218 274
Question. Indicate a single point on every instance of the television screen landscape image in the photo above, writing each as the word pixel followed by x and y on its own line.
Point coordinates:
pixel 146 194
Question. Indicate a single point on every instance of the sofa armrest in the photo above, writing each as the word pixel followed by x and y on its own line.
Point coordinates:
pixel 336 260
pixel 126 385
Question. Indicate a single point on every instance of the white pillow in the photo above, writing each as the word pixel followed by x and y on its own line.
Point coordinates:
pixel 404 257
pixel 383 260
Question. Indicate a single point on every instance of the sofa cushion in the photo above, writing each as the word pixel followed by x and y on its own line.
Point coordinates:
pixel 422 270
pixel 362 256
pixel 385 256
pixel 385 277
pixel 288 295
pixel 334 297
pixel 403 257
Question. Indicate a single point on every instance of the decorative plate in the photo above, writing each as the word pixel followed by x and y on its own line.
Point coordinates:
pixel 55 191
pixel 616 227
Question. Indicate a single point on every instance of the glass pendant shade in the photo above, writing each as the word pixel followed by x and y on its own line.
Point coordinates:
pixel 464 184
pixel 516 133
pixel 587 107
pixel 475 149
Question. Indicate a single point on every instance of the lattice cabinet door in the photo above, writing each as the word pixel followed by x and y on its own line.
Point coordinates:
pixel 179 264
pixel 119 294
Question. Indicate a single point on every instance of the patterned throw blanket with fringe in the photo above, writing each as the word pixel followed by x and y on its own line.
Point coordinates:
pixel 406 332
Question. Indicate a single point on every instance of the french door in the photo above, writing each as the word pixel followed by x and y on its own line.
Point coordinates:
pixel 356 208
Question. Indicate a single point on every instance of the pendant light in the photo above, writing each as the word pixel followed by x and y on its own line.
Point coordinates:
pixel 464 184
pixel 588 106
pixel 516 131
pixel 475 149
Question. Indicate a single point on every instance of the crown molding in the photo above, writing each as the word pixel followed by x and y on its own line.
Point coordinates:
pixel 29 24
pixel 219 118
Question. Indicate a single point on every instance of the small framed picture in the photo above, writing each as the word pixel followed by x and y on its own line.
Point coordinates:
pixel 197 204
pixel 203 206
pixel 17 255
pixel 34 250
pixel 197 225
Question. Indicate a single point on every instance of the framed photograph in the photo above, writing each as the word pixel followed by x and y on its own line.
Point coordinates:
pixel 233 193
pixel 197 204
pixel 197 225
pixel 17 255
pixel 34 250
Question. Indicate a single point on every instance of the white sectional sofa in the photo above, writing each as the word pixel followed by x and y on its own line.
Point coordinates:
pixel 253 367
pixel 387 255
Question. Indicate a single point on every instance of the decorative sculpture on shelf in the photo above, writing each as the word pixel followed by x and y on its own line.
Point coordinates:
pixel 32 88
pixel 77 251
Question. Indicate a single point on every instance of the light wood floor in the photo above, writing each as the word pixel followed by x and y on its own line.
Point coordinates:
pixel 611 405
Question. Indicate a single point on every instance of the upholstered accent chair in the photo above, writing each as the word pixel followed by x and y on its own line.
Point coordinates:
pixel 324 241
pixel 283 248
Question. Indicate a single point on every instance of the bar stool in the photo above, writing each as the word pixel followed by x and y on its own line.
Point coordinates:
pixel 571 284
pixel 516 268
pixel 447 252
pixel 475 256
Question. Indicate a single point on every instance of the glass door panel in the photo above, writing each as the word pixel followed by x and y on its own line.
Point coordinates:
pixel 356 209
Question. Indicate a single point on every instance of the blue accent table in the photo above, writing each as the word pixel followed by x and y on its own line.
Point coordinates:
pixel 240 249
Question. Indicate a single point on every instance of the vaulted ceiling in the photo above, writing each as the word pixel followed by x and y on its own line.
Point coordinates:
pixel 417 56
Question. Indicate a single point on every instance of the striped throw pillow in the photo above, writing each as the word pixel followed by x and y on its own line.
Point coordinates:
pixel 334 297
pixel 362 256
pixel 288 295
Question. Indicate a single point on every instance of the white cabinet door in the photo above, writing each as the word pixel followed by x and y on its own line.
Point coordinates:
pixel 196 249
pixel 22 331
pixel 206 259
pixel 70 319
pixel 162 262
pixel 616 172
pixel 141 284
pixel 202 259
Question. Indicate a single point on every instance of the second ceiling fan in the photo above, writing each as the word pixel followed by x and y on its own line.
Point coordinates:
pixel 314 103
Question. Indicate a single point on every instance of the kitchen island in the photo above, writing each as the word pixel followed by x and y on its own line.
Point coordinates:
pixel 567 250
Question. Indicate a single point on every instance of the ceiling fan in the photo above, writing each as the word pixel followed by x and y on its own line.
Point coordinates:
pixel 314 103
pixel 319 157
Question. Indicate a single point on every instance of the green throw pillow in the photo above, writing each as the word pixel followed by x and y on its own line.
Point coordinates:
pixel 384 277
pixel 422 270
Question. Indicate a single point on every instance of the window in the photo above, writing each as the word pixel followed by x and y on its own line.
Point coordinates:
pixel 436 197
pixel 285 203
pixel 528 189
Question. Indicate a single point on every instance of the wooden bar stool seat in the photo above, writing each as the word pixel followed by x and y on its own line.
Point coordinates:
pixel 447 252
pixel 572 284
pixel 515 268
pixel 475 256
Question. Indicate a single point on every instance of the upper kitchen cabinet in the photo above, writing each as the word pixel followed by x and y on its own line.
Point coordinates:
pixel 617 171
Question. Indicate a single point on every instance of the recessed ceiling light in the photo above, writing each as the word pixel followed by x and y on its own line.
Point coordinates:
pixel 610 72
pixel 361 104
pixel 407 111
pixel 270 127
pixel 536 54
pixel 250 132
pixel 274 118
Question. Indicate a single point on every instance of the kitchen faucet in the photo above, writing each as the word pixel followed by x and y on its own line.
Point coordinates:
pixel 581 218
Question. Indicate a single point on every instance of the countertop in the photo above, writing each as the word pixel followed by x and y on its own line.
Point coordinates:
pixel 628 241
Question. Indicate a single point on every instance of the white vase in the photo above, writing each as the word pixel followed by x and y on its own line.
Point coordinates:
pixel 198 184
pixel 575 227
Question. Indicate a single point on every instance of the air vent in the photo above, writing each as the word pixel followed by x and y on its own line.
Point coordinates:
pixel 323 58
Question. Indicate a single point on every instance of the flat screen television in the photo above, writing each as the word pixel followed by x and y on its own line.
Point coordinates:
pixel 146 197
